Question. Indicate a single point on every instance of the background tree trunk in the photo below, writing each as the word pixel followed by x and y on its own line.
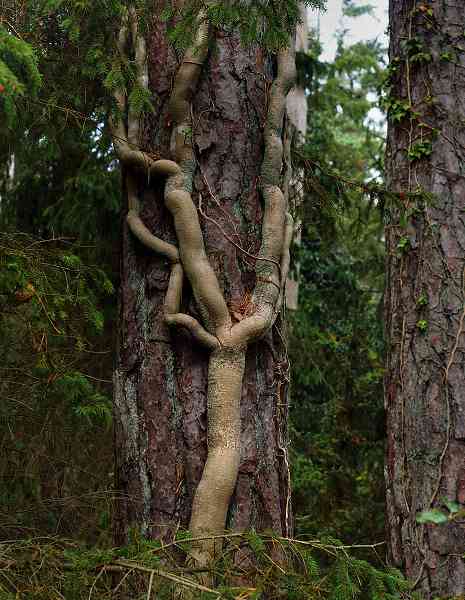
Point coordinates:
pixel 425 235
pixel 161 375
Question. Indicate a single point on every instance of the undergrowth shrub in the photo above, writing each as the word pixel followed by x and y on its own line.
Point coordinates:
pixel 252 567
pixel 55 414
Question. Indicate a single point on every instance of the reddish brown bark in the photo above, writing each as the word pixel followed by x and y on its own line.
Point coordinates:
pixel 160 376
pixel 425 393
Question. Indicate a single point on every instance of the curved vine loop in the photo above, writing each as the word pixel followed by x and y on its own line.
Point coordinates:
pixel 227 342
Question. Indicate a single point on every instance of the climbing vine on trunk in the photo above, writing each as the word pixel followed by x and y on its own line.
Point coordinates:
pixel 225 336
pixel 425 295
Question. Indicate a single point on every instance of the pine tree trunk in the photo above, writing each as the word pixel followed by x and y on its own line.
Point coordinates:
pixel 425 310
pixel 161 374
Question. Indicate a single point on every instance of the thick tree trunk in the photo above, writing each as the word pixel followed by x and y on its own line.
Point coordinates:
pixel 161 374
pixel 425 310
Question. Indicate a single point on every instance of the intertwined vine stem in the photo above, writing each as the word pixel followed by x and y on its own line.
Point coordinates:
pixel 226 341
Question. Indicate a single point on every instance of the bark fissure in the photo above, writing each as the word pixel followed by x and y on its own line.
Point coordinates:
pixel 227 342
pixel 425 296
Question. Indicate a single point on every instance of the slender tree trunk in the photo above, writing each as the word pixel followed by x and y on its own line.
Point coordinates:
pixel 161 374
pixel 425 310
pixel 297 110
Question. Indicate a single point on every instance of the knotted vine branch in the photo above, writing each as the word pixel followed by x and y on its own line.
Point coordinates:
pixel 226 341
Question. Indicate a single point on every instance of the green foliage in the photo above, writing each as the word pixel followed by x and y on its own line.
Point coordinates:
pixel 275 568
pixel 19 76
pixel 432 516
pixel 453 507
pixel 350 9
pixel 403 244
pixel 268 24
pixel 140 100
pixel 338 420
pixel 343 144
pixel 354 578
pixel 256 543
pixel 419 150
pixel 437 516
pixel 63 178
pixel 398 110
pixel 422 300
pixel 422 325
pixel 448 56
pixel 55 400
pixel 85 400
pixel 414 49
pixel 52 296
pixel 115 79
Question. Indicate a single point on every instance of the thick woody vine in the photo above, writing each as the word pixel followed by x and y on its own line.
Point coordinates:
pixel 226 340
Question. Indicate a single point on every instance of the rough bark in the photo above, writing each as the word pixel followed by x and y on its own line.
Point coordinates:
pixel 425 235
pixel 161 375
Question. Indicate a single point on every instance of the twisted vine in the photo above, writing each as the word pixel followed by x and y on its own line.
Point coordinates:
pixel 227 342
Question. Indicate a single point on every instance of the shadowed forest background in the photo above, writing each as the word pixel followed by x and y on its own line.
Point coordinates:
pixel 60 215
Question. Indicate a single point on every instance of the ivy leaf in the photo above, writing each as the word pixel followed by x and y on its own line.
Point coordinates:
pixel 432 516
pixel 403 222
pixel 453 507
